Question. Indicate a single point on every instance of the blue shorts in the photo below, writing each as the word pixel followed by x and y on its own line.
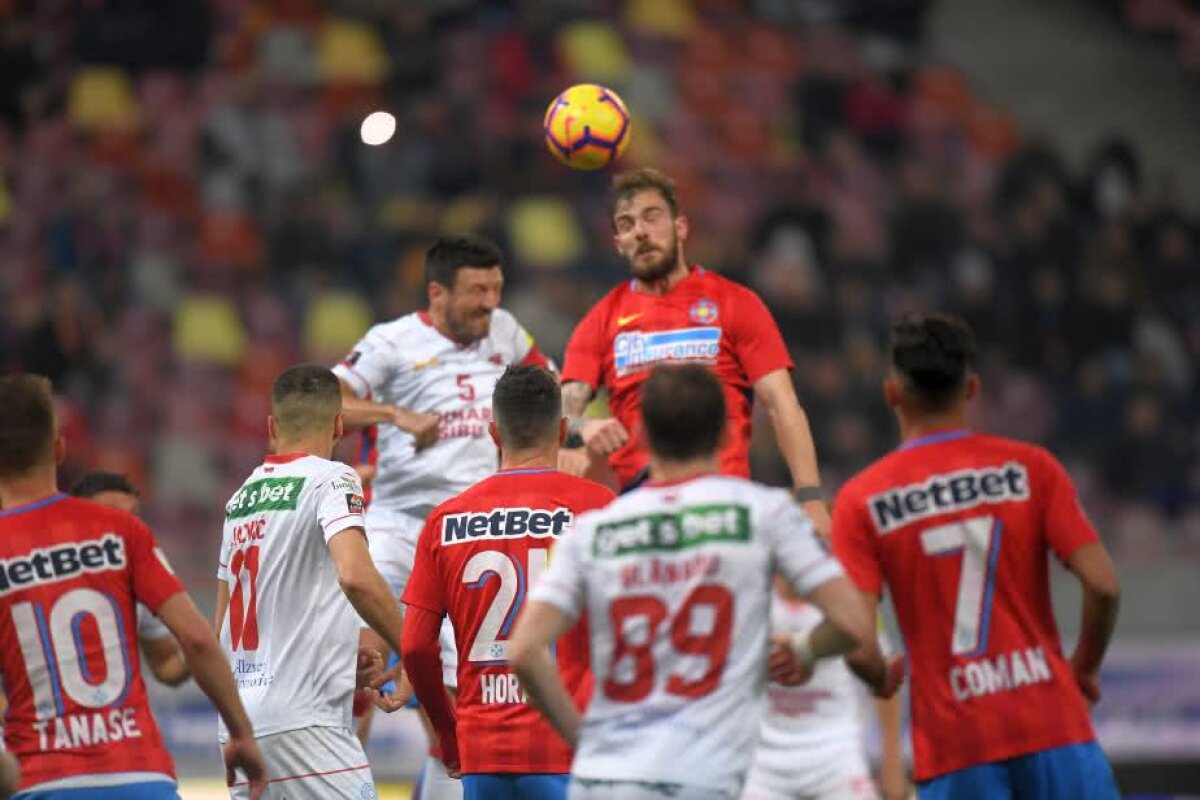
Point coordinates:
pixel 1063 773
pixel 151 790
pixel 503 786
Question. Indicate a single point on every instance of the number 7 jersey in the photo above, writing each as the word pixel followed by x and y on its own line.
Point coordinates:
pixel 676 583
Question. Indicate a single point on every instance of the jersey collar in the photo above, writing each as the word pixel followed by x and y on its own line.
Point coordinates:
pixel 34 506
pixel 663 484
pixel 526 471
pixel 694 269
pixel 283 458
pixel 937 437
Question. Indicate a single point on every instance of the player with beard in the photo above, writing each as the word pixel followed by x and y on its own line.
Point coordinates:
pixel 675 312
pixel 426 380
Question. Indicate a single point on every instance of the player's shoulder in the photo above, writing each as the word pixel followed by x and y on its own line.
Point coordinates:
pixel 726 288
pixel 587 494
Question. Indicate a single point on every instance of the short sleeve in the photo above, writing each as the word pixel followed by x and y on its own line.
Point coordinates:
pixel 798 554
pixel 225 554
pixel 563 585
pixel 1067 527
pixel 369 366
pixel 755 337
pixel 584 358
pixel 154 580
pixel 424 589
pixel 855 543
pixel 340 503
pixel 150 626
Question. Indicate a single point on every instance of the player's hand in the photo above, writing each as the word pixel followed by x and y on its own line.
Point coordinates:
pixel 422 426
pixel 783 666
pixel 1089 684
pixel 818 512
pixel 604 437
pixel 450 758
pixel 396 699
pixel 893 676
pixel 368 668
pixel 243 753
pixel 574 461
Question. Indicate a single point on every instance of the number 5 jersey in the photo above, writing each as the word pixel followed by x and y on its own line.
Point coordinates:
pixel 71 573
pixel 290 633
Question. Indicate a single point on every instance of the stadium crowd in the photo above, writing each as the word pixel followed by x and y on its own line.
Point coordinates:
pixel 186 208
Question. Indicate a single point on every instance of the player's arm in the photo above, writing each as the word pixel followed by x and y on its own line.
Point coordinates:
pixel 794 437
pixel 222 606
pixel 211 670
pixel 1094 568
pixel 165 659
pixel 529 656
pixel 359 412
pixel 893 781
pixel 363 586
pixel 423 664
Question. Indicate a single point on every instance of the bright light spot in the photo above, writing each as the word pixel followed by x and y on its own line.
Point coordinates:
pixel 377 128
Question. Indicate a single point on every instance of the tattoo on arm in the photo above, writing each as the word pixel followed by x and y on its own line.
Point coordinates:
pixel 575 398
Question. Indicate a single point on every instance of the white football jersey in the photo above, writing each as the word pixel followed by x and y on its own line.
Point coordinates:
pixel 408 362
pixel 676 582
pixel 290 633
pixel 805 727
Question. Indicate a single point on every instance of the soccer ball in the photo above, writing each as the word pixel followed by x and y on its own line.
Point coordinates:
pixel 587 127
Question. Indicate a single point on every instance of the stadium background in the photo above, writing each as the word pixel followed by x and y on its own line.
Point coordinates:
pixel 186 207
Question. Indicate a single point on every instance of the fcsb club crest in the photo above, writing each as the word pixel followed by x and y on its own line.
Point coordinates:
pixel 703 312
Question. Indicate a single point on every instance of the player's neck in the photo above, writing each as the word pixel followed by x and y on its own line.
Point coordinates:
pixel 916 426
pixel 667 282
pixel 321 447
pixel 666 471
pixel 438 318
pixel 38 484
pixel 544 458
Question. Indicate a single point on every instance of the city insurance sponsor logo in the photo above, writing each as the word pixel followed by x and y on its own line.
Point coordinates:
pixel 635 350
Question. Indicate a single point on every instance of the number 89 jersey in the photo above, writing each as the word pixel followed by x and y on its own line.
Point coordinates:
pixel 676 583
pixel 477 556
pixel 71 572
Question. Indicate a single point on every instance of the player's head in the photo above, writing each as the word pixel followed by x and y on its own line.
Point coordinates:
pixel 110 488
pixel 464 280
pixel 29 439
pixel 306 406
pixel 648 229
pixel 683 412
pixel 932 365
pixel 527 410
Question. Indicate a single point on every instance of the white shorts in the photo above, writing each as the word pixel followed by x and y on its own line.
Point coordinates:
pixel 312 764
pixel 436 783
pixel 592 789
pixel 392 540
pixel 843 776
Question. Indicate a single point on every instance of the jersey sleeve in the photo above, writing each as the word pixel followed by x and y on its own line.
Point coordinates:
pixel 150 626
pixel 798 555
pixel 424 588
pixel 340 503
pixel 563 585
pixel 154 581
pixel 369 365
pixel 584 357
pixel 1066 526
pixel 855 544
pixel 224 555
pixel 755 337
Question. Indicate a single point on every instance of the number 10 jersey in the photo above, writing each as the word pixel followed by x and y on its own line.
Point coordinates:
pixel 676 583
pixel 289 632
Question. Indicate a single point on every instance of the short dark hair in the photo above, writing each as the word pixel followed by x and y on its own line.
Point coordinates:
pixel 627 184
pixel 683 411
pixel 26 423
pixel 527 406
pixel 933 354
pixel 448 254
pixel 98 482
pixel 305 397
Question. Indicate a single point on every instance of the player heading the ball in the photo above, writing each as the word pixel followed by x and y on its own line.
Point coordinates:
pixel 675 580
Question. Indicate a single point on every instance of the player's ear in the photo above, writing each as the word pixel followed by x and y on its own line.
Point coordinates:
pixel 60 448
pixel 272 430
pixel 436 292
pixel 972 387
pixel 564 428
pixel 892 392
pixel 494 432
pixel 681 228
pixel 339 426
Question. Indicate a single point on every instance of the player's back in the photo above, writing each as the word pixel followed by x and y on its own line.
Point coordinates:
pixel 963 525
pixel 290 633
pixel 487 546
pixel 677 585
pixel 71 572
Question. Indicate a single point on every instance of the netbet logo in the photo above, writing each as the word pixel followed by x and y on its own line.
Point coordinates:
pixel 503 523
pixel 60 563
pixel 955 491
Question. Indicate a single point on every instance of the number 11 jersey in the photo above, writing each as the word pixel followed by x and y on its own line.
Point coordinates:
pixel 290 633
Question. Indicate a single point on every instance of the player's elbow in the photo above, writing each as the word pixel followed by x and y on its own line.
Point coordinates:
pixel 172 671
pixel 522 654
pixel 196 641
pixel 355 580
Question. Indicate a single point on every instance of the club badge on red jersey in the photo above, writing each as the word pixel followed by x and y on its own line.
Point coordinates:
pixel 704 312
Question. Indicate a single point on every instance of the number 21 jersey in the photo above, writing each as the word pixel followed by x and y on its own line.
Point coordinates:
pixel 676 583
pixel 290 633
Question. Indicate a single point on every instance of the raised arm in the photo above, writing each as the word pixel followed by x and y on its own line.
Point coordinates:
pixel 358 412
pixel 794 437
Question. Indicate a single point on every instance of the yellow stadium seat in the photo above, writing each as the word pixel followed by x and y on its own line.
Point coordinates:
pixel 594 51
pixel 349 52
pixel 544 232
pixel 671 18
pixel 101 98
pixel 335 321
pixel 208 329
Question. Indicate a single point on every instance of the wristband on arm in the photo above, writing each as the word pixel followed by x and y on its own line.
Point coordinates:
pixel 808 494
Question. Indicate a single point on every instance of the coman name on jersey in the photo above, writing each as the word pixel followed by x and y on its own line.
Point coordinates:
pixel 954 491
pixel 504 523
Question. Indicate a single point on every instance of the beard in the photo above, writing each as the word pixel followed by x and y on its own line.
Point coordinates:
pixel 650 265
pixel 467 327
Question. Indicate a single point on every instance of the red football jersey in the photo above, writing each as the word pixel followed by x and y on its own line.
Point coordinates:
pixel 705 319
pixel 477 557
pixel 70 573
pixel 959 527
